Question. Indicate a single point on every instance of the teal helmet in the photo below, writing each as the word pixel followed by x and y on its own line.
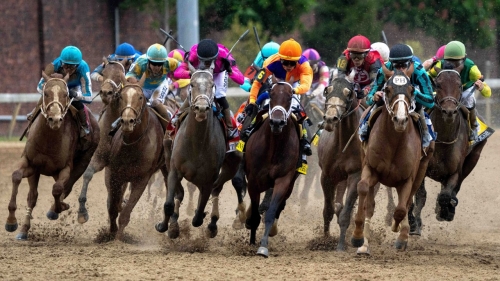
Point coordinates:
pixel 268 50
pixel 157 53
pixel 71 55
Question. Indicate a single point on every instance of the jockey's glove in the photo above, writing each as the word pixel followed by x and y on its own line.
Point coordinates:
pixel 73 94
pixel 250 108
pixel 227 66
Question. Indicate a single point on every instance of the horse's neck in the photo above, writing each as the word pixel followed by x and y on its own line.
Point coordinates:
pixel 347 127
pixel 199 130
pixel 44 136
pixel 448 132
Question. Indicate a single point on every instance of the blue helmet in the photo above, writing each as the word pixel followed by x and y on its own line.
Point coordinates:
pixel 157 53
pixel 71 55
pixel 268 50
pixel 125 50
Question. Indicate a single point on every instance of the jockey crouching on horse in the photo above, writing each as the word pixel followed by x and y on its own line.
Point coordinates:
pixel 176 84
pixel 208 54
pixel 122 52
pixel 401 57
pixel 454 56
pixel 291 66
pixel 155 64
pixel 365 63
pixel 70 63
pixel 321 76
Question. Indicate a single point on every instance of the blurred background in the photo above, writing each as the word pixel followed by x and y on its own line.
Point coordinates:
pixel 33 32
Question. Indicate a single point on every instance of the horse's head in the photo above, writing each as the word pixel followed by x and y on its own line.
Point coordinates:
pixel 280 105
pixel 399 99
pixel 340 101
pixel 55 100
pixel 448 91
pixel 132 106
pixel 201 95
pixel 111 79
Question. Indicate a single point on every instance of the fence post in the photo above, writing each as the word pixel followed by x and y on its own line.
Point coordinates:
pixel 14 118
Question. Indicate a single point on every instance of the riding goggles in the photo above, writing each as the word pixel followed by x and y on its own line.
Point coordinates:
pixel 69 66
pixel 401 64
pixel 154 63
pixel 358 56
pixel 288 63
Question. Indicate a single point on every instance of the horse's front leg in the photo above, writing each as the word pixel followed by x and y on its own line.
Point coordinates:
pixel 170 207
pixel 57 192
pixel 137 189
pixel 96 165
pixel 240 186
pixel 344 217
pixel 32 198
pixel 368 180
pixel 200 214
pixel 420 198
pixel 400 222
pixel 17 176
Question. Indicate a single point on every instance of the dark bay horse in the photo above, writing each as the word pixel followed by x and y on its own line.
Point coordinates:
pixel 392 156
pixel 52 149
pixel 453 158
pixel 136 154
pixel 271 159
pixel 198 154
pixel 339 154
pixel 109 93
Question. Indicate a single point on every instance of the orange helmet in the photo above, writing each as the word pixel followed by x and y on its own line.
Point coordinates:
pixel 290 50
pixel 359 44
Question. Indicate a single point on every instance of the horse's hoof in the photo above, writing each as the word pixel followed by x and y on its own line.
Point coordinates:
pixel 11 227
pixel 237 224
pixel 363 251
pixel 357 242
pixel 83 217
pixel 173 230
pixel 262 251
pixel 212 230
pixel 51 215
pixel 401 245
pixel 197 221
pixel 161 227
pixel 22 236
pixel 417 231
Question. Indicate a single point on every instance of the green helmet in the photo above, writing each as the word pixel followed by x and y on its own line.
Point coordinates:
pixel 71 55
pixel 157 53
pixel 454 50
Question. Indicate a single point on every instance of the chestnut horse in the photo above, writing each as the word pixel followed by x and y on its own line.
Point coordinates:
pixel 109 93
pixel 52 149
pixel 198 154
pixel 392 156
pixel 453 158
pixel 136 154
pixel 272 154
pixel 339 154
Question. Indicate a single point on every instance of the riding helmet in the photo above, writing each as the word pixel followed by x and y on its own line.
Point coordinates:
pixel 382 49
pixel 71 55
pixel 270 49
pixel 358 43
pixel 125 50
pixel 400 52
pixel 207 50
pixel 157 53
pixel 454 50
pixel 177 54
pixel 290 50
pixel 312 55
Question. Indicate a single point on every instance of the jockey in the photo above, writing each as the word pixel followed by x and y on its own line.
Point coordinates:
pixel 175 84
pixel 382 49
pixel 401 57
pixel 454 56
pixel 291 66
pixel 203 55
pixel 358 57
pixel 79 85
pixel 123 51
pixel 268 50
pixel 428 64
pixel 321 73
pixel 155 64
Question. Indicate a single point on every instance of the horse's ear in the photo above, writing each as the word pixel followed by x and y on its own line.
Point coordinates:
pixel 143 79
pixel 105 60
pixel 191 67
pixel 274 79
pixel 346 92
pixel 328 90
pixel 409 70
pixel 66 78
pixel 124 62
pixel 45 76
pixel 351 75
pixel 437 69
pixel 387 73
pixel 123 79
pixel 459 68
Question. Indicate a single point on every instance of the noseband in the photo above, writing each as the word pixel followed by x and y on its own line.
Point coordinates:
pixel 399 80
pixel 280 108
pixel 209 99
pixel 138 113
pixel 116 87
pixel 348 108
pixel 63 108
pixel 455 101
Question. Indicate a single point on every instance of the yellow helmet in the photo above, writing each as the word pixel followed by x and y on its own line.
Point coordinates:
pixel 290 50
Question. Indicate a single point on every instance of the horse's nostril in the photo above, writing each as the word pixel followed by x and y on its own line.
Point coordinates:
pixel 131 121
pixel 196 108
pixel 60 119
pixel 455 112
pixel 282 123
pixel 50 119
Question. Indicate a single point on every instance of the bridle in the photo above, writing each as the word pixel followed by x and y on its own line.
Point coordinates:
pixel 138 113
pixel 45 107
pixel 455 101
pixel 348 106
pixel 116 87
pixel 208 99
pixel 286 113
pixel 400 97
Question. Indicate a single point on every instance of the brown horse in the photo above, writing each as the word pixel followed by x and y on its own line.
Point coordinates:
pixel 109 93
pixel 136 154
pixel 392 156
pixel 198 154
pixel 339 154
pixel 271 162
pixel 52 149
pixel 453 158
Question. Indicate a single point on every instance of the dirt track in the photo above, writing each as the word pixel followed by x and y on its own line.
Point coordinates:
pixel 466 249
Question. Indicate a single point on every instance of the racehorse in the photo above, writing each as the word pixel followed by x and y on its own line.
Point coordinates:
pixel 198 154
pixel 52 149
pixel 340 155
pixel 272 154
pixel 392 156
pixel 453 158
pixel 136 154
pixel 109 93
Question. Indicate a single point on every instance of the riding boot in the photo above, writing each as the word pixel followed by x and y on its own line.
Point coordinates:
pixel 231 131
pixel 245 132
pixel 33 114
pixel 304 143
pixel 180 111
pixel 84 129
pixel 163 112
pixel 473 124
pixel 426 136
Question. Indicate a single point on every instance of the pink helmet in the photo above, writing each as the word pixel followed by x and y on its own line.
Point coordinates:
pixel 311 54
pixel 440 53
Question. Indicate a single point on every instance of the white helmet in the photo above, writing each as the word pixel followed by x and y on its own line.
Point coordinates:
pixel 382 49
